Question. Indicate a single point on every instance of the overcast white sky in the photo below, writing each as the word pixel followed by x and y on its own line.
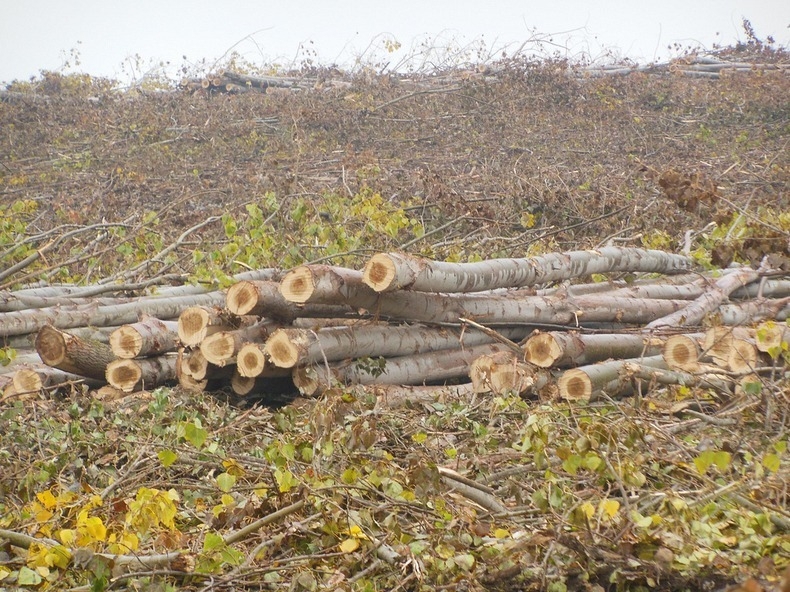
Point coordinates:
pixel 37 35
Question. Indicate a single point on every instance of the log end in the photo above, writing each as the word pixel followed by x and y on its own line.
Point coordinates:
pixel 126 342
pixel 251 361
pixel 27 380
pixel 574 385
pixel 51 345
pixel 542 350
pixel 281 350
pixel 124 375
pixel 379 273
pixel 681 352
pixel 242 297
pixel 192 325
pixel 218 348
pixel 298 285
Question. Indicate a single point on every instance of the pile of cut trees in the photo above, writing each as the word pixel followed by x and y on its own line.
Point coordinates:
pixel 574 325
pixel 235 83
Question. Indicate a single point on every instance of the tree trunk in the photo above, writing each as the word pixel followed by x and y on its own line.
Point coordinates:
pixel 222 348
pixel 405 370
pixel 251 361
pixel 297 347
pixel 144 373
pixel 586 383
pixel 505 373
pixel 682 352
pixel 336 285
pixel 693 314
pixel 559 349
pixel 34 379
pixel 770 335
pixel 71 354
pixel 30 321
pixel 149 337
pixel 393 271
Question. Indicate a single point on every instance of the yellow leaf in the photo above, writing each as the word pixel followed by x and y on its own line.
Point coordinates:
pixel 349 545
pixel 67 536
pixel 588 509
pixel 95 528
pixel 609 507
pixel 233 468
pixel 47 499
pixel 501 533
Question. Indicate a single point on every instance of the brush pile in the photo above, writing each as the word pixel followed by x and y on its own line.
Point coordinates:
pixel 575 325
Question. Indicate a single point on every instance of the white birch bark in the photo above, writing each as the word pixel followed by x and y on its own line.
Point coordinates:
pixel 393 271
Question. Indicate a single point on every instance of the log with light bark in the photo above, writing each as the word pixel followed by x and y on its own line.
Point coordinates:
pixel 557 349
pixel 744 358
pixel 693 313
pixel 683 352
pixel 709 380
pixel 263 298
pixel 84 315
pixel 336 285
pixel 223 347
pixel 198 322
pixel 148 337
pixel 587 383
pixel 287 348
pixel 72 354
pixel 417 369
pixel 770 335
pixel 506 373
pixel 144 373
pixel 397 271
pixel 251 360
pixel 36 378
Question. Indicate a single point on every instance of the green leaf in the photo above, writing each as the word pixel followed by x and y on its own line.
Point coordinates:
pixel 212 541
pixel 226 481
pixel 703 461
pixel 28 577
pixel 771 462
pixel 167 457
pixel 572 463
pixel 193 434
pixel 285 480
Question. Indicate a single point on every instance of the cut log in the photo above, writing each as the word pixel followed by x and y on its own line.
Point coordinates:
pixel 718 292
pixel 144 373
pixel 198 322
pixel 149 337
pixel 251 361
pixel 34 379
pixel 335 285
pixel 393 271
pixel 64 317
pixel 586 383
pixel 287 348
pixel 560 349
pixel 222 348
pixel 682 352
pixel 744 357
pixel 718 340
pixel 324 284
pixel 770 336
pixel 505 373
pixel 405 370
pixel 260 298
pixel 716 382
pixel 67 352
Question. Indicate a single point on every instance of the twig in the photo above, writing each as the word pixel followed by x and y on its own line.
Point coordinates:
pixel 494 335
pixel 480 497
pixel 258 524
pixel 429 91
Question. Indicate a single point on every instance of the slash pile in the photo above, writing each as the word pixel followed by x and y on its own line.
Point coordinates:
pixel 407 325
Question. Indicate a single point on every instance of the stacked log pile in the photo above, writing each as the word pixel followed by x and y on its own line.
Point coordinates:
pixel 236 83
pixel 534 326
